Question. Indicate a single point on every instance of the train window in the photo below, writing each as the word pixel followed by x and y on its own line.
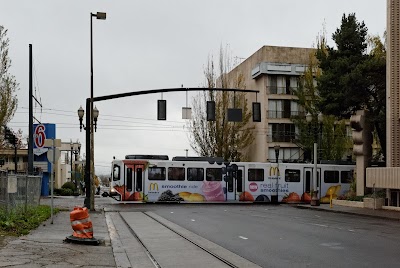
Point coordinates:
pixel 195 174
pixel 331 176
pixel 139 179
pixel 176 174
pixel 116 173
pixel 239 181
pixel 292 175
pixel 346 176
pixel 256 174
pixel 213 174
pixel 129 179
pixel 157 174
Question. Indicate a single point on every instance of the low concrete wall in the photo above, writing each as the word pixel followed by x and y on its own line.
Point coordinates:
pixel 373 203
pixel 391 208
pixel 347 203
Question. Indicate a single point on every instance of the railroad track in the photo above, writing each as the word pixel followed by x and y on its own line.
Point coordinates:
pixel 146 240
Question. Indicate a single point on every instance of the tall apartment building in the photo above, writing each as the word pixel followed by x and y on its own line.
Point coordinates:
pixel 389 177
pixel 274 71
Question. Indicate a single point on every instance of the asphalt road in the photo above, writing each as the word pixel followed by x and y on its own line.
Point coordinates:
pixel 283 236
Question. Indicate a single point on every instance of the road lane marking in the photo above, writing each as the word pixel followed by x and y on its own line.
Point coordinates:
pixel 351 230
pixel 262 216
pixel 320 225
pixel 317 216
pixel 192 220
pixel 242 237
pixel 172 212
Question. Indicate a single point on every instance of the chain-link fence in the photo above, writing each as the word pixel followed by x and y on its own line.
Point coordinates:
pixel 19 190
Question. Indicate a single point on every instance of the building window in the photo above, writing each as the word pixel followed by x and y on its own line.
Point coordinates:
pixel 283 132
pixel 273 84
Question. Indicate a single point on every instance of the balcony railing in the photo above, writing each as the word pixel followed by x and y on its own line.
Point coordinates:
pixel 281 136
pixel 281 90
pixel 284 114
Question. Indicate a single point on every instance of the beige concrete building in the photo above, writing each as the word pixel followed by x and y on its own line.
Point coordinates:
pixel 389 177
pixel 62 166
pixel 274 71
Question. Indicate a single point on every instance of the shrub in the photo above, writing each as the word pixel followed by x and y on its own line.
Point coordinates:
pixel 355 198
pixel 69 185
pixel 66 192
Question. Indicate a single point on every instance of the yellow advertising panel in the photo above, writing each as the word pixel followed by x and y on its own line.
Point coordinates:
pixel 274 171
pixel 153 186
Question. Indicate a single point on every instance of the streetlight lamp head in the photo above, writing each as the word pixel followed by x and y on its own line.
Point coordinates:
pixel 95 116
pixel 81 113
pixel 101 15
pixel 308 117
pixel 95 113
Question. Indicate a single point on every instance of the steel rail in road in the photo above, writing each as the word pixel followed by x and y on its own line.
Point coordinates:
pixel 153 259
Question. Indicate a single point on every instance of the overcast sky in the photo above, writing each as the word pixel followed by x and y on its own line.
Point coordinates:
pixel 147 45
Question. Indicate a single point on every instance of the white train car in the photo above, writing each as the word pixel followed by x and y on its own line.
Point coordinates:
pixel 154 180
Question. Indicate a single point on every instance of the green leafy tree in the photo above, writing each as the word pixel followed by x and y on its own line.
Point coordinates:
pixel 8 85
pixel 221 138
pixel 330 133
pixel 351 78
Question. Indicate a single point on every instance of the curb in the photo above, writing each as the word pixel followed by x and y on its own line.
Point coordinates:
pixel 348 213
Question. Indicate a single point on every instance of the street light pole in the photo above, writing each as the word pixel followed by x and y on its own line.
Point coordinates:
pixel 90 156
pixel 72 151
pixel 314 198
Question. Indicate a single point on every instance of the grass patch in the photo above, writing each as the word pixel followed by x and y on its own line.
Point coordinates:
pixel 18 222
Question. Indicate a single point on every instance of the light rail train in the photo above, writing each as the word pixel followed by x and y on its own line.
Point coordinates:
pixel 195 179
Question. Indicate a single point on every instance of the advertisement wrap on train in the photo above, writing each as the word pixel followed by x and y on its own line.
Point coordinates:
pixel 192 180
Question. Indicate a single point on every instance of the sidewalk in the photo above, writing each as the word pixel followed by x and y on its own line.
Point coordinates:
pixel 377 213
pixel 44 247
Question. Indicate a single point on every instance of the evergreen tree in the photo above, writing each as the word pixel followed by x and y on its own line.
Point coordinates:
pixel 351 78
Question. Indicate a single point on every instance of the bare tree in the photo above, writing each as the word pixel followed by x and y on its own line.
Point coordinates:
pixel 220 137
pixel 8 84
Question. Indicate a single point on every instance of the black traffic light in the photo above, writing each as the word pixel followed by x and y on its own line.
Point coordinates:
pixel 162 110
pixel 210 110
pixel 256 112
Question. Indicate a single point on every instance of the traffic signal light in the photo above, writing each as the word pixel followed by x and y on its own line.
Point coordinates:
pixel 362 136
pixel 162 110
pixel 256 112
pixel 210 110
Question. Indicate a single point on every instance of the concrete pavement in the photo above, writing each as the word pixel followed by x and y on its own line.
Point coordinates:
pixel 365 212
pixel 44 247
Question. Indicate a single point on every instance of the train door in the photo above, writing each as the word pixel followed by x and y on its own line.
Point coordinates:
pixel 134 183
pixel 127 195
pixel 234 184
pixel 308 180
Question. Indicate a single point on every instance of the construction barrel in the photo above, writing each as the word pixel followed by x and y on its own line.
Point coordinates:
pixel 81 223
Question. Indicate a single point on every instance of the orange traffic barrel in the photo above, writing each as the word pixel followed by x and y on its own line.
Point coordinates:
pixel 81 223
